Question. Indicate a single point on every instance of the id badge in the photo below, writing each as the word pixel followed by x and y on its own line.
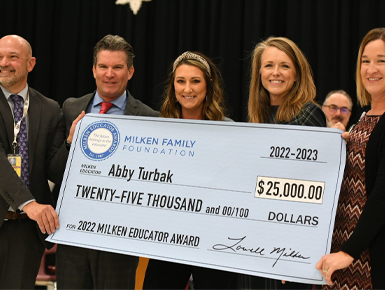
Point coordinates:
pixel 15 160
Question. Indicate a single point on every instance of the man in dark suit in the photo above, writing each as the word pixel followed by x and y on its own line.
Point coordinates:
pixel 81 268
pixel 38 145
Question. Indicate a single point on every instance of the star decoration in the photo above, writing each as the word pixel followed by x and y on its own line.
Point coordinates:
pixel 134 4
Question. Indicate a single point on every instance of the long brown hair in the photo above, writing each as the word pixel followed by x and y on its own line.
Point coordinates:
pixel 302 92
pixel 213 107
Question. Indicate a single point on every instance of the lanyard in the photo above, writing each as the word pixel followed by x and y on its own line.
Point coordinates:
pixel 16 128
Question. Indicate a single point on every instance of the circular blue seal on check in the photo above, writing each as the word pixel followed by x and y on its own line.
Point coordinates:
pixel 100 140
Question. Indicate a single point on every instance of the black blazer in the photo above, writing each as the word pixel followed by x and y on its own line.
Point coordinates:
pixel 47 153
pixel 72 107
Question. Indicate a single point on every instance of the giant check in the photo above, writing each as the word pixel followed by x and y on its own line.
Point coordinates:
pixel 249 198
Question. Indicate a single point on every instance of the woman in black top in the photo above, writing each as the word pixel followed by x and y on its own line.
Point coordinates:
pixel 282 91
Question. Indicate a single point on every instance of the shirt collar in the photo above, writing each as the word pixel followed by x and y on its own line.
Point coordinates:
pixel 118 102
pixel 23 93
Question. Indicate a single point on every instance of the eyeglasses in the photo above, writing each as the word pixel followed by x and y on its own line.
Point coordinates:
pixel 334 109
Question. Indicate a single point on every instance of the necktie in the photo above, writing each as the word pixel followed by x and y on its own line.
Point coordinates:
pixel 105 107
pixel 21 138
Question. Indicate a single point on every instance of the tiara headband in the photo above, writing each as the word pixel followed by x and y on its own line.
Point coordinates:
pixel 190 55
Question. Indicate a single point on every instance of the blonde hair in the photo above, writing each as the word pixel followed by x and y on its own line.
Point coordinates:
pixel 213 107
pixel 302 92
pixel 363 95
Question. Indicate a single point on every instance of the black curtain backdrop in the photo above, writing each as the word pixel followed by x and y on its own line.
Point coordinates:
pixel 63 33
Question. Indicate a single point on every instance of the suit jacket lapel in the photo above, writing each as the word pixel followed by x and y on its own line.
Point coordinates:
pixel 131 107
pixel 86 101
pixel 7 117
pixel 33 124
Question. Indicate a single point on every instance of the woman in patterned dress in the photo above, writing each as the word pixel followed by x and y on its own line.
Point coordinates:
pixel 357 260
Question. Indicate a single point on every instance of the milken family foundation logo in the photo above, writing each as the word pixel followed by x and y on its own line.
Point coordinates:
pixel 100 140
